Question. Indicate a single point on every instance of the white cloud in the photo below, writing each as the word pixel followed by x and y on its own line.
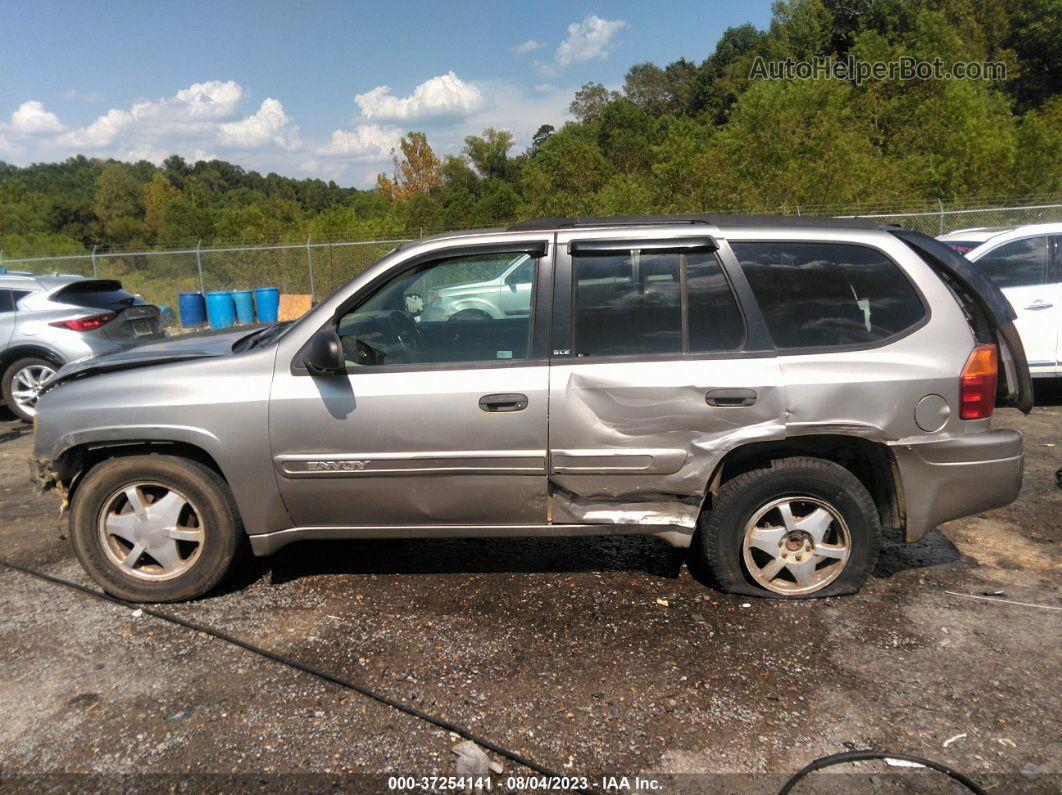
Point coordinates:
pixel 528 46
pixel 84 96
pixel 545 88
pixel 213 99
pixel 366 142
pixel 32 119
pixel 270 125
pixel 446 98
pixel 586 40
pixel 100 133
pixel 192 113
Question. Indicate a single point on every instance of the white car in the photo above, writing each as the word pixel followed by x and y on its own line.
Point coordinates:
pixel 966 240
pixel 1026 264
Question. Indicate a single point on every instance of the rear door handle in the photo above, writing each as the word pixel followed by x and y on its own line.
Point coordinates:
pixel 731 398
pixel 507 402
pixel 1036 305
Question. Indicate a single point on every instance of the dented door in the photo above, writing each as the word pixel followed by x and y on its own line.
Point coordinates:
pixel 640 413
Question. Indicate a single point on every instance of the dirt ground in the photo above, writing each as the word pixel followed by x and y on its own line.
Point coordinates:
pixel 558 649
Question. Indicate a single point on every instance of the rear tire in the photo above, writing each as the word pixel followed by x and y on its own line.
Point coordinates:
pixel 803 528
pixel 17 378
pixel 155 528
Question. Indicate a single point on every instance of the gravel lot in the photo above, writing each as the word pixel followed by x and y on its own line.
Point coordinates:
pixel 558 649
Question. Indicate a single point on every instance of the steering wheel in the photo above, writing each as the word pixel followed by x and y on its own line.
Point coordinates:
pixel 405 332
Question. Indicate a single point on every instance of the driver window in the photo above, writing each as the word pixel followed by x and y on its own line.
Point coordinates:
pixel 458 309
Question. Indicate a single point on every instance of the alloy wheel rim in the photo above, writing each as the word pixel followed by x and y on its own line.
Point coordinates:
pixel 796 545
pixel 25 384
pixel 151 531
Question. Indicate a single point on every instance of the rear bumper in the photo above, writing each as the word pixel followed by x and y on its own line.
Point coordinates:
pixel 956 477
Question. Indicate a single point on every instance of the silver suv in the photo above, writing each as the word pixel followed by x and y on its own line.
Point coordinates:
pixel 773 392
pixel 47 321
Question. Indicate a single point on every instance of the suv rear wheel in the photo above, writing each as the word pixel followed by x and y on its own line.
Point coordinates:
pixel 19 384
pixel 155 528
pixel 803 528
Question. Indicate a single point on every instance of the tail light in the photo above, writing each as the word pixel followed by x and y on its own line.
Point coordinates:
pixel 90 323
pixel 977 393
pixel 432 296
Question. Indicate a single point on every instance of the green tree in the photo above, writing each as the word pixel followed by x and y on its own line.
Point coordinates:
pixel 563 176
pixel 118 204
pixel 159 194
pixel 590 100
pixel 489 153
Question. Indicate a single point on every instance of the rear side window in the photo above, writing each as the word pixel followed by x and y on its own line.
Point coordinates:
pixel 7 302
pixel 636 303
pixel 822 295
pixel 1019 263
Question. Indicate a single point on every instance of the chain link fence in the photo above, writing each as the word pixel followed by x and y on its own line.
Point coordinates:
pixel 319 269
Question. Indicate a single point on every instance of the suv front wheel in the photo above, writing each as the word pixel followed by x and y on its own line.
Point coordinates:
pixel 805 527
pixel 155 528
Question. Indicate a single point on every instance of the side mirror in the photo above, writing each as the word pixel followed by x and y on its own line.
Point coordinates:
pixel 511 281
pixel 325 354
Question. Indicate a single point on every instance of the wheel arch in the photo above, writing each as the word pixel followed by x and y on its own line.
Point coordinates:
pixel 870 461
pixel 69 467
pixel 29 350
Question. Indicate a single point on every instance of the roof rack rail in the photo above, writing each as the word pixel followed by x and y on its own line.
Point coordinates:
pixel 575 222
pixel 571 222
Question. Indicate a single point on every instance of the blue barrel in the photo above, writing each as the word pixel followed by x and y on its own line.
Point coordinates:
pixel 166 316
pixel 267 299
pixel 221 309
pixel 244 306
pixel 192 309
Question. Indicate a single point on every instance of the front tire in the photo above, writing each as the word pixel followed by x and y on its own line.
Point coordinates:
pixel 155 528
pixel 19 383
pixel 803 528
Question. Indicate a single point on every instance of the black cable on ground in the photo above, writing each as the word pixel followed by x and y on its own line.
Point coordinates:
pixel 859 756
pixel 309 669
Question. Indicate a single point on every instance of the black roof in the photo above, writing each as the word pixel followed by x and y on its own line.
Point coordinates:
pixel 796 221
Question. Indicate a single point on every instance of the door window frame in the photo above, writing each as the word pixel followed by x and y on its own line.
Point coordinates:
pixel 542 250
pixel 756 341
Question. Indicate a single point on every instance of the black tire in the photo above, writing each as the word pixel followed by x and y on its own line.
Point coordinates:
pixel 8 378
pixel 721 530
pixel 223 535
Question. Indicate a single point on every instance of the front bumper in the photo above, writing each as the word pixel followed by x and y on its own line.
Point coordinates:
pixel 951 478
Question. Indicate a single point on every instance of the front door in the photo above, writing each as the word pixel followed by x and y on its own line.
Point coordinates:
pixel 651 384
pixel 434 423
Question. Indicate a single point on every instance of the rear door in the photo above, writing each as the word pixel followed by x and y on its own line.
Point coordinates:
pixel 655 375
pixel 1020 268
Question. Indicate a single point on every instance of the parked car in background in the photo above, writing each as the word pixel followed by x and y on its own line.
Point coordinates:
pixel 773 393
pixel 504 293
pixel 966 240
pixel 1026 264
pixel 48 321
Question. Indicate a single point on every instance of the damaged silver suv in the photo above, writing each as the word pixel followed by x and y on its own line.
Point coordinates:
pixel 775 393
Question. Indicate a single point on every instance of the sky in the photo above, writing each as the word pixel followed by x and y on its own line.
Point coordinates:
pixel 314 88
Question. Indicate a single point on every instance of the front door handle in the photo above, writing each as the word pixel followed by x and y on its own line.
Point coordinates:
pixel 730 398
pixel 509 402
pixel 1037 305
